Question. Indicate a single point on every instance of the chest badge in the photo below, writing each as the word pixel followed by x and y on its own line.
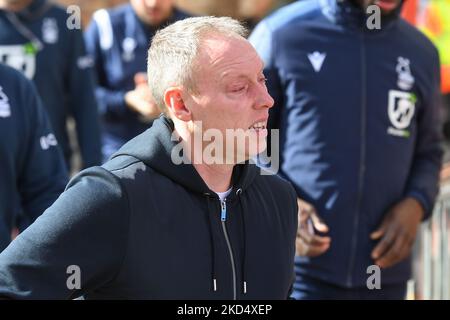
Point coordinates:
pixel 317 58
pixel 128 46
pixel 405 80
pixel 50 31
pixel 401 109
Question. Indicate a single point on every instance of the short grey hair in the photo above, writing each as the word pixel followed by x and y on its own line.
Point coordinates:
pixel 172 54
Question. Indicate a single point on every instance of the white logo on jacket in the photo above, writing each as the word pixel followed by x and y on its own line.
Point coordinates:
pixel 401 109
pixel 316 58
pixel 48 141
pixel 17 57
pixel 405 79
pixel 5 108
pixel 50 30
pixel 128 47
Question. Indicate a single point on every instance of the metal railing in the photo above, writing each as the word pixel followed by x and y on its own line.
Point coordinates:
pixel 432 251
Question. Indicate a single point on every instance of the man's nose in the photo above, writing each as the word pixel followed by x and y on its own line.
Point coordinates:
pixel 264 99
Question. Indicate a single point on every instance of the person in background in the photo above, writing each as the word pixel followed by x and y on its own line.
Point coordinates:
pixel 35 39
pixel 358 109
pixel 118 40
pixel 434 21
pixel 33 172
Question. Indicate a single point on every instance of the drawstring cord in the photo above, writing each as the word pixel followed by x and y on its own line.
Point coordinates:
pixel 244 258
pixel 213 253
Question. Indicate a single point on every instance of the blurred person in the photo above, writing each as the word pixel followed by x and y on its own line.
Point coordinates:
pixel 143 226
pixel 253 11
pixel 358 113
pixel 35 39
pixel 33 172
pixel 434 21
pixel 118 40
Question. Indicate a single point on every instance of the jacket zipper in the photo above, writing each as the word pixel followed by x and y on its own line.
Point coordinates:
pixel 362 161
pixel 223 218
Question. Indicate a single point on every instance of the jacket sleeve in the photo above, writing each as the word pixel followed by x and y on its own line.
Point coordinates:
pixel 75 247
pixel 109 101
pixel 42 170
pixel 423 182
pixel 82 101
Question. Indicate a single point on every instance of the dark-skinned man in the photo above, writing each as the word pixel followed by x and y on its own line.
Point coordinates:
pixel 357 106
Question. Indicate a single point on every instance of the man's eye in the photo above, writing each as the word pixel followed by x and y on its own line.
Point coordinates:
pixel 263 79
pixel 239 89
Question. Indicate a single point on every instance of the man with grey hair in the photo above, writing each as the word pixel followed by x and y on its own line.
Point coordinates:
pixel 143 226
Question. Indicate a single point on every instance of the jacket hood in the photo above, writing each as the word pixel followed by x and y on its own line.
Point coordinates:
pixel 154 148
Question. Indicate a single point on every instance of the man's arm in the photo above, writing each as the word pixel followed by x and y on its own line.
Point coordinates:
pixel 397 231
pixel 423 182
pixel 86 229
pixel 42 174
pixel 82 101
pixel 109 101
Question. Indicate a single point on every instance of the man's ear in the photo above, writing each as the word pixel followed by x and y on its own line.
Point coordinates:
pixel 175 104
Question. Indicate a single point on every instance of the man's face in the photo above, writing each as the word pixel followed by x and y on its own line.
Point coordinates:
pixel 152 12
pixel 231 92
pixel 386 6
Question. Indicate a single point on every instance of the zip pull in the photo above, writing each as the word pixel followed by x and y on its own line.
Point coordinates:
pixel 223 206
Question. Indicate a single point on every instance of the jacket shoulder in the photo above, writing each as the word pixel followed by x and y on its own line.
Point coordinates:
pixel 276 184
pixel 131 171
pixel 419 41
pixel 118 13
pixel 293 13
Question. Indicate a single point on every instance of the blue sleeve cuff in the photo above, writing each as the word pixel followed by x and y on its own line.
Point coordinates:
pixel 424 202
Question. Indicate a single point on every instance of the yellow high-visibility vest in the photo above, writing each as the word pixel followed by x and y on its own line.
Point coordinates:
pixel 435 23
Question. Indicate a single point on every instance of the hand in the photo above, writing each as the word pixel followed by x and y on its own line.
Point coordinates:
pixel 397 233
pixel 140 99
pixel 307 243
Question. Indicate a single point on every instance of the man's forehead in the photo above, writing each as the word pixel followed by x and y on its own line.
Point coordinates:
pixel 227 54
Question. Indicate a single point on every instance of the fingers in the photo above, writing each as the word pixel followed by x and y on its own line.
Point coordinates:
pixel 318 223
pixel 386 242
pixel 311 245
pixel 306 212
pixel 377 234
pixel 310 250
pixel 308 243
pixel 397 252
pixel 140 78
pixel 313 239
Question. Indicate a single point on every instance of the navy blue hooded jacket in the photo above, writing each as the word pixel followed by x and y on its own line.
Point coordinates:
pixel 142 227
pixel 358 114
pixel 38 42
pixel 118 42
pixel 32 168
